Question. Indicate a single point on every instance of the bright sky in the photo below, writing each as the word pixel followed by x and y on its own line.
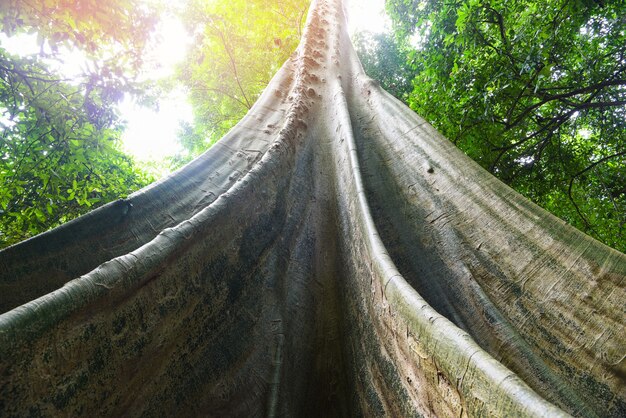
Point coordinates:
pixel 367 15
pixel 151 134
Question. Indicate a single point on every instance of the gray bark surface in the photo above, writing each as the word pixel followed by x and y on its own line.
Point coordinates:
pixel 332 255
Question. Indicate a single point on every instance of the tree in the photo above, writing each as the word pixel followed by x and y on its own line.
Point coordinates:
pixel 331 255
pixel 59 136
pixel 533 91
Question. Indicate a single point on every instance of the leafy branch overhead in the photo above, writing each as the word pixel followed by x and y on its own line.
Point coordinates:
pixel 59 136
pixel 238 47
pixel 93 26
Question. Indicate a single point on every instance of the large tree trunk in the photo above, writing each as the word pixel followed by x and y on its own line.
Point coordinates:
pixel 332 255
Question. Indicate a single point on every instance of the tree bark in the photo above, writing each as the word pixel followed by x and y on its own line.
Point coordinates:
pixel 332 255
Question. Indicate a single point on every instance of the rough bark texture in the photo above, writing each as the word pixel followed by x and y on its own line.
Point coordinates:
pixel 333 255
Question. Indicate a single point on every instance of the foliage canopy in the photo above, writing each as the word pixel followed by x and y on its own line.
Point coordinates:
pixel 59 153
pixel 239 45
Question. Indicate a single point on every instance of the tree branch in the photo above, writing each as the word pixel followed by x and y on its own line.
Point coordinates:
pixel 571 184
pixel 234 66
pixel 596 88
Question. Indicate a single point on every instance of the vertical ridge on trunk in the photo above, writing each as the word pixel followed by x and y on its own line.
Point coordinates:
pixel 333 255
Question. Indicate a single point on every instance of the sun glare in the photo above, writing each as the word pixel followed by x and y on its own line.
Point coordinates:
pixel 169 48
pixel 150 135
pixel 367 15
